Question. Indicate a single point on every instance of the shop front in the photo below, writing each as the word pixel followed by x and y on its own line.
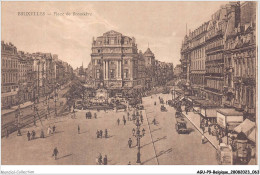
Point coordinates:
pixel 208 111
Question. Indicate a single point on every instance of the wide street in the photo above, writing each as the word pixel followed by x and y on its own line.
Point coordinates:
pixel 161 144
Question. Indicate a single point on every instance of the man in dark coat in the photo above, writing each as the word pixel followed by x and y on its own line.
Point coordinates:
pixel 78 129
pixel 55 153
pixel 53 129
pixel 28 135
pixel 106 133
pixel 105 160
pixel 130 143
pixel 97 133
pixel 101 133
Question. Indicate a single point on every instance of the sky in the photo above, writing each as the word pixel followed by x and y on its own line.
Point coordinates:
pixel 161 24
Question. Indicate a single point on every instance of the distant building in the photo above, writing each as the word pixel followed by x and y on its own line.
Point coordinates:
pixel 114 61
pixel 9 74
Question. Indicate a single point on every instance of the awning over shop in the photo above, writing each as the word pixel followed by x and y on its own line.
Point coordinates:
pixel 246 127
pixel 251 136
pixel 193 98
pixel 229 117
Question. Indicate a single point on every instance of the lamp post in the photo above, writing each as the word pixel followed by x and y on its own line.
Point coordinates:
pixel 138 136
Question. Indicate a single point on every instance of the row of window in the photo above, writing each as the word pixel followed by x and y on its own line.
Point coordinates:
pixel 99 62
pixel 199 53
pixel 198 65
pixel 11 64
pixel 215 44
pixel 214 57
pixel 9 77
pixel 215 84
pixel 215 69
pixel 245 67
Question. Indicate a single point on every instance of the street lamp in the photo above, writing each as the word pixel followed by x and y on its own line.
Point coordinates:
pixel 138 136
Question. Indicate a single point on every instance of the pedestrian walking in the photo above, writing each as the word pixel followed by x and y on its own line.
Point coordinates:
pixel 203 129
pixel 118 121
pixel 101 133
pixel 100 159
pixel 42 134
pixel 49 130
pixel 105 160
pixel 53 129
pixel 154 121
pixel 78 129
pixel 28 136
pixel 97 133
pixel 55 153
pixel 33 134
pixel 106 134
pixel 124 121
pixel 130 143
pixel 209 130
pixel 133 131
pixel 95 115
pixel 87 115
pixel 143 131
pixel 203 139
pixel 220 140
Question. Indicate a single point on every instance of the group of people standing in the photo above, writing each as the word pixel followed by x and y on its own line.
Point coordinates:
pixel 124 120
pixel 31 136
pixel 51 131
pixel 89 115
pixel 100 160
pixel 100 133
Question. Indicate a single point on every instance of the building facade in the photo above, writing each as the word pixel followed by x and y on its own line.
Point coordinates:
pixel 28 77
pixel 240 62
pixel 9 74
pixel 227 44
pixel 197 59
pixel 114 61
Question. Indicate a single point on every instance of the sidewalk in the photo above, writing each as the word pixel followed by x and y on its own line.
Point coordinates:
pixel 195 120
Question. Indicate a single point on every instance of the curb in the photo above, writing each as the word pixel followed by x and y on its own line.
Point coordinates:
pixel 201 132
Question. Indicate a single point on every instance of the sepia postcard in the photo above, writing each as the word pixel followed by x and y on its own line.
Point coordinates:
pixel 130 83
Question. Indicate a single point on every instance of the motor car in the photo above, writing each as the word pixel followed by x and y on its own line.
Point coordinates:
pixel 181 126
